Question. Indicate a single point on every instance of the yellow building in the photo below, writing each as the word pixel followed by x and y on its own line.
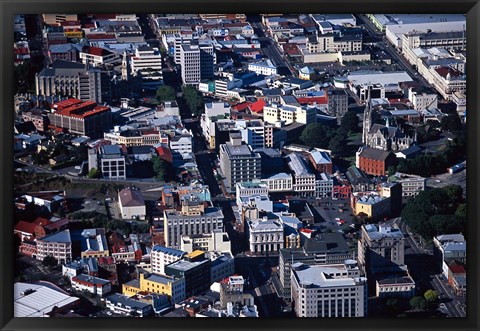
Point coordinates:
pixel 174 288
pixel 373 205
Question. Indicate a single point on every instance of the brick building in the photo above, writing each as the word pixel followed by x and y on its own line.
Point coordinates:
pixel 375 162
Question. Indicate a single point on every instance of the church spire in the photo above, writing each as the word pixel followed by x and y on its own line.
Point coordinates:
pixel 367 116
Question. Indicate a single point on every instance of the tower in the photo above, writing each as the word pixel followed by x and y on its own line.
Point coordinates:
pixel 367 117
pixel 125 66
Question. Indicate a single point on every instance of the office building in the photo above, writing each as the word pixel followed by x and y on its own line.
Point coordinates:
pixel 123 305
pixel 273 113
pixel 329 290
pixel 217 241
pixel 58 245
pixel 94 285
pixel 110 161
pixel 303 178
pixel 197 62
pixel 194 269
pixel 147 63
pixel 238 163
pixel 193 219
pixel 174 287
pixel 325 248
pixel 265 235
pixel 161 256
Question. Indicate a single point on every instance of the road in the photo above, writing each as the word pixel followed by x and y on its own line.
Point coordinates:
pixel 269 47
pixel 390 50
pixel 421 265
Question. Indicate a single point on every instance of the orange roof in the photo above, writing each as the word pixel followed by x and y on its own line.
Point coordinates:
pixel 78 109
pixel 41 221
pixel 311 100
pixel 26 227
pixel 242 106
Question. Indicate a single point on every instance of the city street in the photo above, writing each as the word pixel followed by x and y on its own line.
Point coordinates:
pixel 422 266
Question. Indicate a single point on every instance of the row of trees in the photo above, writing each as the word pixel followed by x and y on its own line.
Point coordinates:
pixel 328 137
pixel 437 211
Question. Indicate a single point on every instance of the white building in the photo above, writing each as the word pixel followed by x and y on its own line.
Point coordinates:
pixel 323 186
pixel 121 304
pixel 31 300
pixel 97 57
pixel 387 81
pixel 194 219
pixel 273 113
pixel 450 247
pixel 131 203
pixel 182 143
pixel 412 185
pixel 148 63
pixel 160 256
pixel 280 182
pixel 197 62
pixel 94 285
pixel 303 178
pixel 266 68
pixel 110 161
pixel 217 241
pixel 329 290
pixel 213 110
pixel 247 189
pixel 265 235
pixel 253 132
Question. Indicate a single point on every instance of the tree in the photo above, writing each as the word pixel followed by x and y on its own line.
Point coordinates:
pixel 93 173
pixel 49 261
pixel 338 145
pixel 165 93
pixel 194 100
pixel 451 123
pixel 317 135
pixel 162 169
pixel 350 122
pixel 392 304
pixel 418 303
pixel 431 296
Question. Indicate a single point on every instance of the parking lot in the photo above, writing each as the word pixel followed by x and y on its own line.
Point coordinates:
pixel 334 214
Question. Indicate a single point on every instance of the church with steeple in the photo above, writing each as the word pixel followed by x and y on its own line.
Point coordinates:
pixel 388 137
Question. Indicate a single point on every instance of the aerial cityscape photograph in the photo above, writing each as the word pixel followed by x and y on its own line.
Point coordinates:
pixel 240 165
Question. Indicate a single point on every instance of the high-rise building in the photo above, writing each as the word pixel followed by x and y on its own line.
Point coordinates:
pixel 329 290
pixel 147 62
pixel 238 162
pixel 197 62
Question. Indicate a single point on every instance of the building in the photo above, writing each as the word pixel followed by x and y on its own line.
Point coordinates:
pixel 147 63
pixel 321 161
pixel 217 241
pixel 66 52
pixel 238 162
pixel 214 111
pixel 85 118
pixel 32 300
pixel 447 81
pixel 412 185
pixel 131 203
pixel 94 285
pixel 324 248
pixel 329 291
pixel 123 305
pixel 232 290
pixel 380 247
pixel 161 256
pixel 280 182
pixel 132 137
pixel 371 205
pixel 197 62
pixel 323 185
pixel 383 137
pixel 194 269
pixel 57 19
pixel 182 143
pixel 393 191
pixel 252 131
pixel 265 235
pixel 395 286
pixel 359 180
pixel 248 189
pixel 266 68
pixel 58 245
pixel 222 266
pixel 38 117
pixel 110 161
pixel 98 57
pixel 303 178
pixel 448 248
pixel 337 102
pixel 194 219
pixel 273 113
pixel 90 243
pixel 374 161
pixel 73 80
pixel 171 286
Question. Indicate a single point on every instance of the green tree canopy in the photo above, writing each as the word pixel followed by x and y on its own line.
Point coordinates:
pixel 418 303
pixel 317 135
pixel 451 123
pixel 431 296
pixel 165 93
pixel 93 173
pixel 350 122
pixel 194 100
pixel 49 261
pixel 162 169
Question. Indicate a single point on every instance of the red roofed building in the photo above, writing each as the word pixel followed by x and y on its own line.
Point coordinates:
pixel 257 106
pixel 81 117
pixel 96 56
pixel 292 50
pixel 319 100
pixel 164 153
pixel 242 106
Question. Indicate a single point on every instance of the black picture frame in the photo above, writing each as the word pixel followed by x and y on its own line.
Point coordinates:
pixel 8 8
